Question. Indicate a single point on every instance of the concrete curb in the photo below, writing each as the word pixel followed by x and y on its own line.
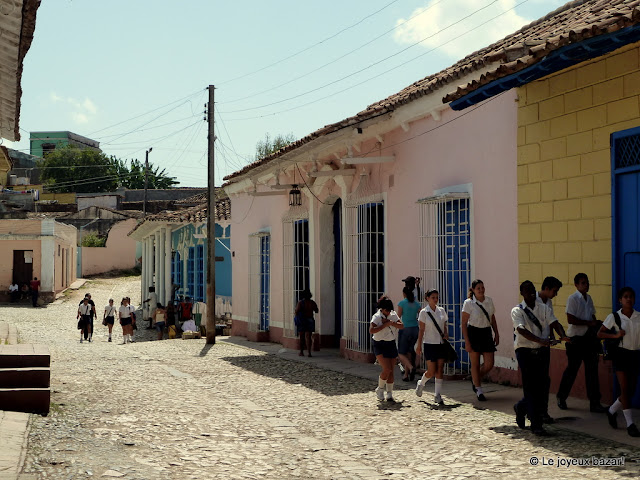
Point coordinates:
pixel 14 436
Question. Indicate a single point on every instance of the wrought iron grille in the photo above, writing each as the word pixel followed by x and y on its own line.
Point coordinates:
pixel 445 261
pixel 296 266
pixel 627 151
pixel 259 281
pixel 364 260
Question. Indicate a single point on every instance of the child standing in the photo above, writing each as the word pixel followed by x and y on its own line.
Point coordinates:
pixel 434 352
pixel 109 316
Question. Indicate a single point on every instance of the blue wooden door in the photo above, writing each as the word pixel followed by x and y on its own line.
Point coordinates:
pixel 455 251
pixel 265 280
pixel 625 205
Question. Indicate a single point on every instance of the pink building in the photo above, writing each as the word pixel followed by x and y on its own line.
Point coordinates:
pixel 40 248
pixel 405 187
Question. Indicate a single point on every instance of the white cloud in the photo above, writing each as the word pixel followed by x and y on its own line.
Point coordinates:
pixel 441 25
pixel 80 111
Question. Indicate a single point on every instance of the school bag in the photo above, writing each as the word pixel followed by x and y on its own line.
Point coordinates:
pixel 610 345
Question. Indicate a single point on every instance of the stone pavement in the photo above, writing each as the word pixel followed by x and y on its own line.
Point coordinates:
pixel 180 409
pixel 14 428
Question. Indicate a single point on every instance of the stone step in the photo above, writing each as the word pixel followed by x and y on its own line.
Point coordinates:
pixel 28 400
pixel 31 377
pixel 8 334
pixel 24 355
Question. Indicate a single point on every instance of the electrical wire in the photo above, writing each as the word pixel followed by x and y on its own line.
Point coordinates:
pixel 310 47
pixel 335 59
pixel 364 68
pixel 380 74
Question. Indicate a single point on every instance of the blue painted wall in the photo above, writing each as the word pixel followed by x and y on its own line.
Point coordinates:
pixel 185 243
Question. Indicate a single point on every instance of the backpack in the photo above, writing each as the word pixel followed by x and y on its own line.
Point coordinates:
pixel 612 344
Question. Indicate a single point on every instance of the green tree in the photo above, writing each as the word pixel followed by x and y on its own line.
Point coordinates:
pixel 271 145
pixel 73 169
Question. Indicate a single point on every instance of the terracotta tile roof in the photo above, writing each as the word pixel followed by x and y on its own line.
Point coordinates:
pixel 196 214
pixel 201 198
pixel 573 22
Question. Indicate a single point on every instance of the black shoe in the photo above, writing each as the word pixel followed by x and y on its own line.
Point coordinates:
pixel 482 398
pixel 613 419
pixel 109 338
pixel 597 408
pixel 632 430
pixel 540 432
pixel 520 418
pixel 562 404
pixel 406 379
pixel 547 419
pixel 473 387
pixel 412 374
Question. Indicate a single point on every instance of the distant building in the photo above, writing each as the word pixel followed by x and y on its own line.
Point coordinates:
pixel 42 143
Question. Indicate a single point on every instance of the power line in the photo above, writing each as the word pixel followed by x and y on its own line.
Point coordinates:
pixel 380 74
pixel 335 59
pixel 146 113
pixel 364 68
pixel 308 48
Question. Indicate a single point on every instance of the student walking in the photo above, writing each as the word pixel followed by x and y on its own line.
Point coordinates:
pixel 84 324
pixel 532 322
pixel 478 323
pixel 124 315
pixel 132 314
pixel 384 327
pixel 408 309
pixel 584 346
pixel 109 316
pixel 624 326
pixel 548 291
pixel 431 342
pixel 306 324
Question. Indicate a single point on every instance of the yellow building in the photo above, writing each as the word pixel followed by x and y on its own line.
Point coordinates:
pixel 577 75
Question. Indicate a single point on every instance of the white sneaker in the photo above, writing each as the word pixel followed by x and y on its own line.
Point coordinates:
pixel 81 340
pixel 419 388
pixel 380 393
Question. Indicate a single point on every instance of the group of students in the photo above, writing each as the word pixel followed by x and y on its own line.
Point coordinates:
pixel 533 322
pixel 126 317
pixel 32 289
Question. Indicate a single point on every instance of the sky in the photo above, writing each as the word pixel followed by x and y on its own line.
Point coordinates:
pixel 133 75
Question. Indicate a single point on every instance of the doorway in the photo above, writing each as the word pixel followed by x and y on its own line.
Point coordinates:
pixel 22 266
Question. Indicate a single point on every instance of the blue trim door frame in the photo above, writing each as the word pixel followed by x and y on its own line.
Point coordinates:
pixel 625 215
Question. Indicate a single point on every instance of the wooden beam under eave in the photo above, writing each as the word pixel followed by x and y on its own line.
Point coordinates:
pixel 333 173
pixel 365 160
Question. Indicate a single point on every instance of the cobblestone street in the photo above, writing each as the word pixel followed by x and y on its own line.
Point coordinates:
pixel 180 409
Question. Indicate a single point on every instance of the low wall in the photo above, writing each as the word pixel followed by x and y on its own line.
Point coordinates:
pixel 118 254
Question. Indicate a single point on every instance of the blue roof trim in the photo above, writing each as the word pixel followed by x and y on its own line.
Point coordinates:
pixel 557 60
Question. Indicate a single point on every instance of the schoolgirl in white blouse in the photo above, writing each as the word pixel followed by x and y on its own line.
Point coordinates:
pixel 430 341
pixel 480 333
pixel 626 357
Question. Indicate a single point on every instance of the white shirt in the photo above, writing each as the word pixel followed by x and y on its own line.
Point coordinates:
pixel 13 287
pixel 386 334
pixel 582 309
pixel 631 327
pixel 85 309
pixel 521 319
pixel 124 311
pixel 548 303
pixel 431 334
pixel 109 311
pixel 477 318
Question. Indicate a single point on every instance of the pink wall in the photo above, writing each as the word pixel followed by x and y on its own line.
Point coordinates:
pixel 6 259
pixel 118 254
pixel 475 146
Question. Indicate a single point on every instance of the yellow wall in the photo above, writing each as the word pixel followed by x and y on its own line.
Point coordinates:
pixel 564 171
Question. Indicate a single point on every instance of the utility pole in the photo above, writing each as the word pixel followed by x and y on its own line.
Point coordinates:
pixel 146 179
pixel 211 226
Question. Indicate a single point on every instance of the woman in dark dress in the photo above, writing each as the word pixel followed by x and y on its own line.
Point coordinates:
pixel 305 322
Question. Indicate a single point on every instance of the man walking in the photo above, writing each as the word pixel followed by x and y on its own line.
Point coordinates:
pixel 35 291
pixel 584 345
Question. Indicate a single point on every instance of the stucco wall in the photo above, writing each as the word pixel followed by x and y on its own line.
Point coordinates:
pixel 564 171
pixel 6 258
pixel 476 147
pixel 118 254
